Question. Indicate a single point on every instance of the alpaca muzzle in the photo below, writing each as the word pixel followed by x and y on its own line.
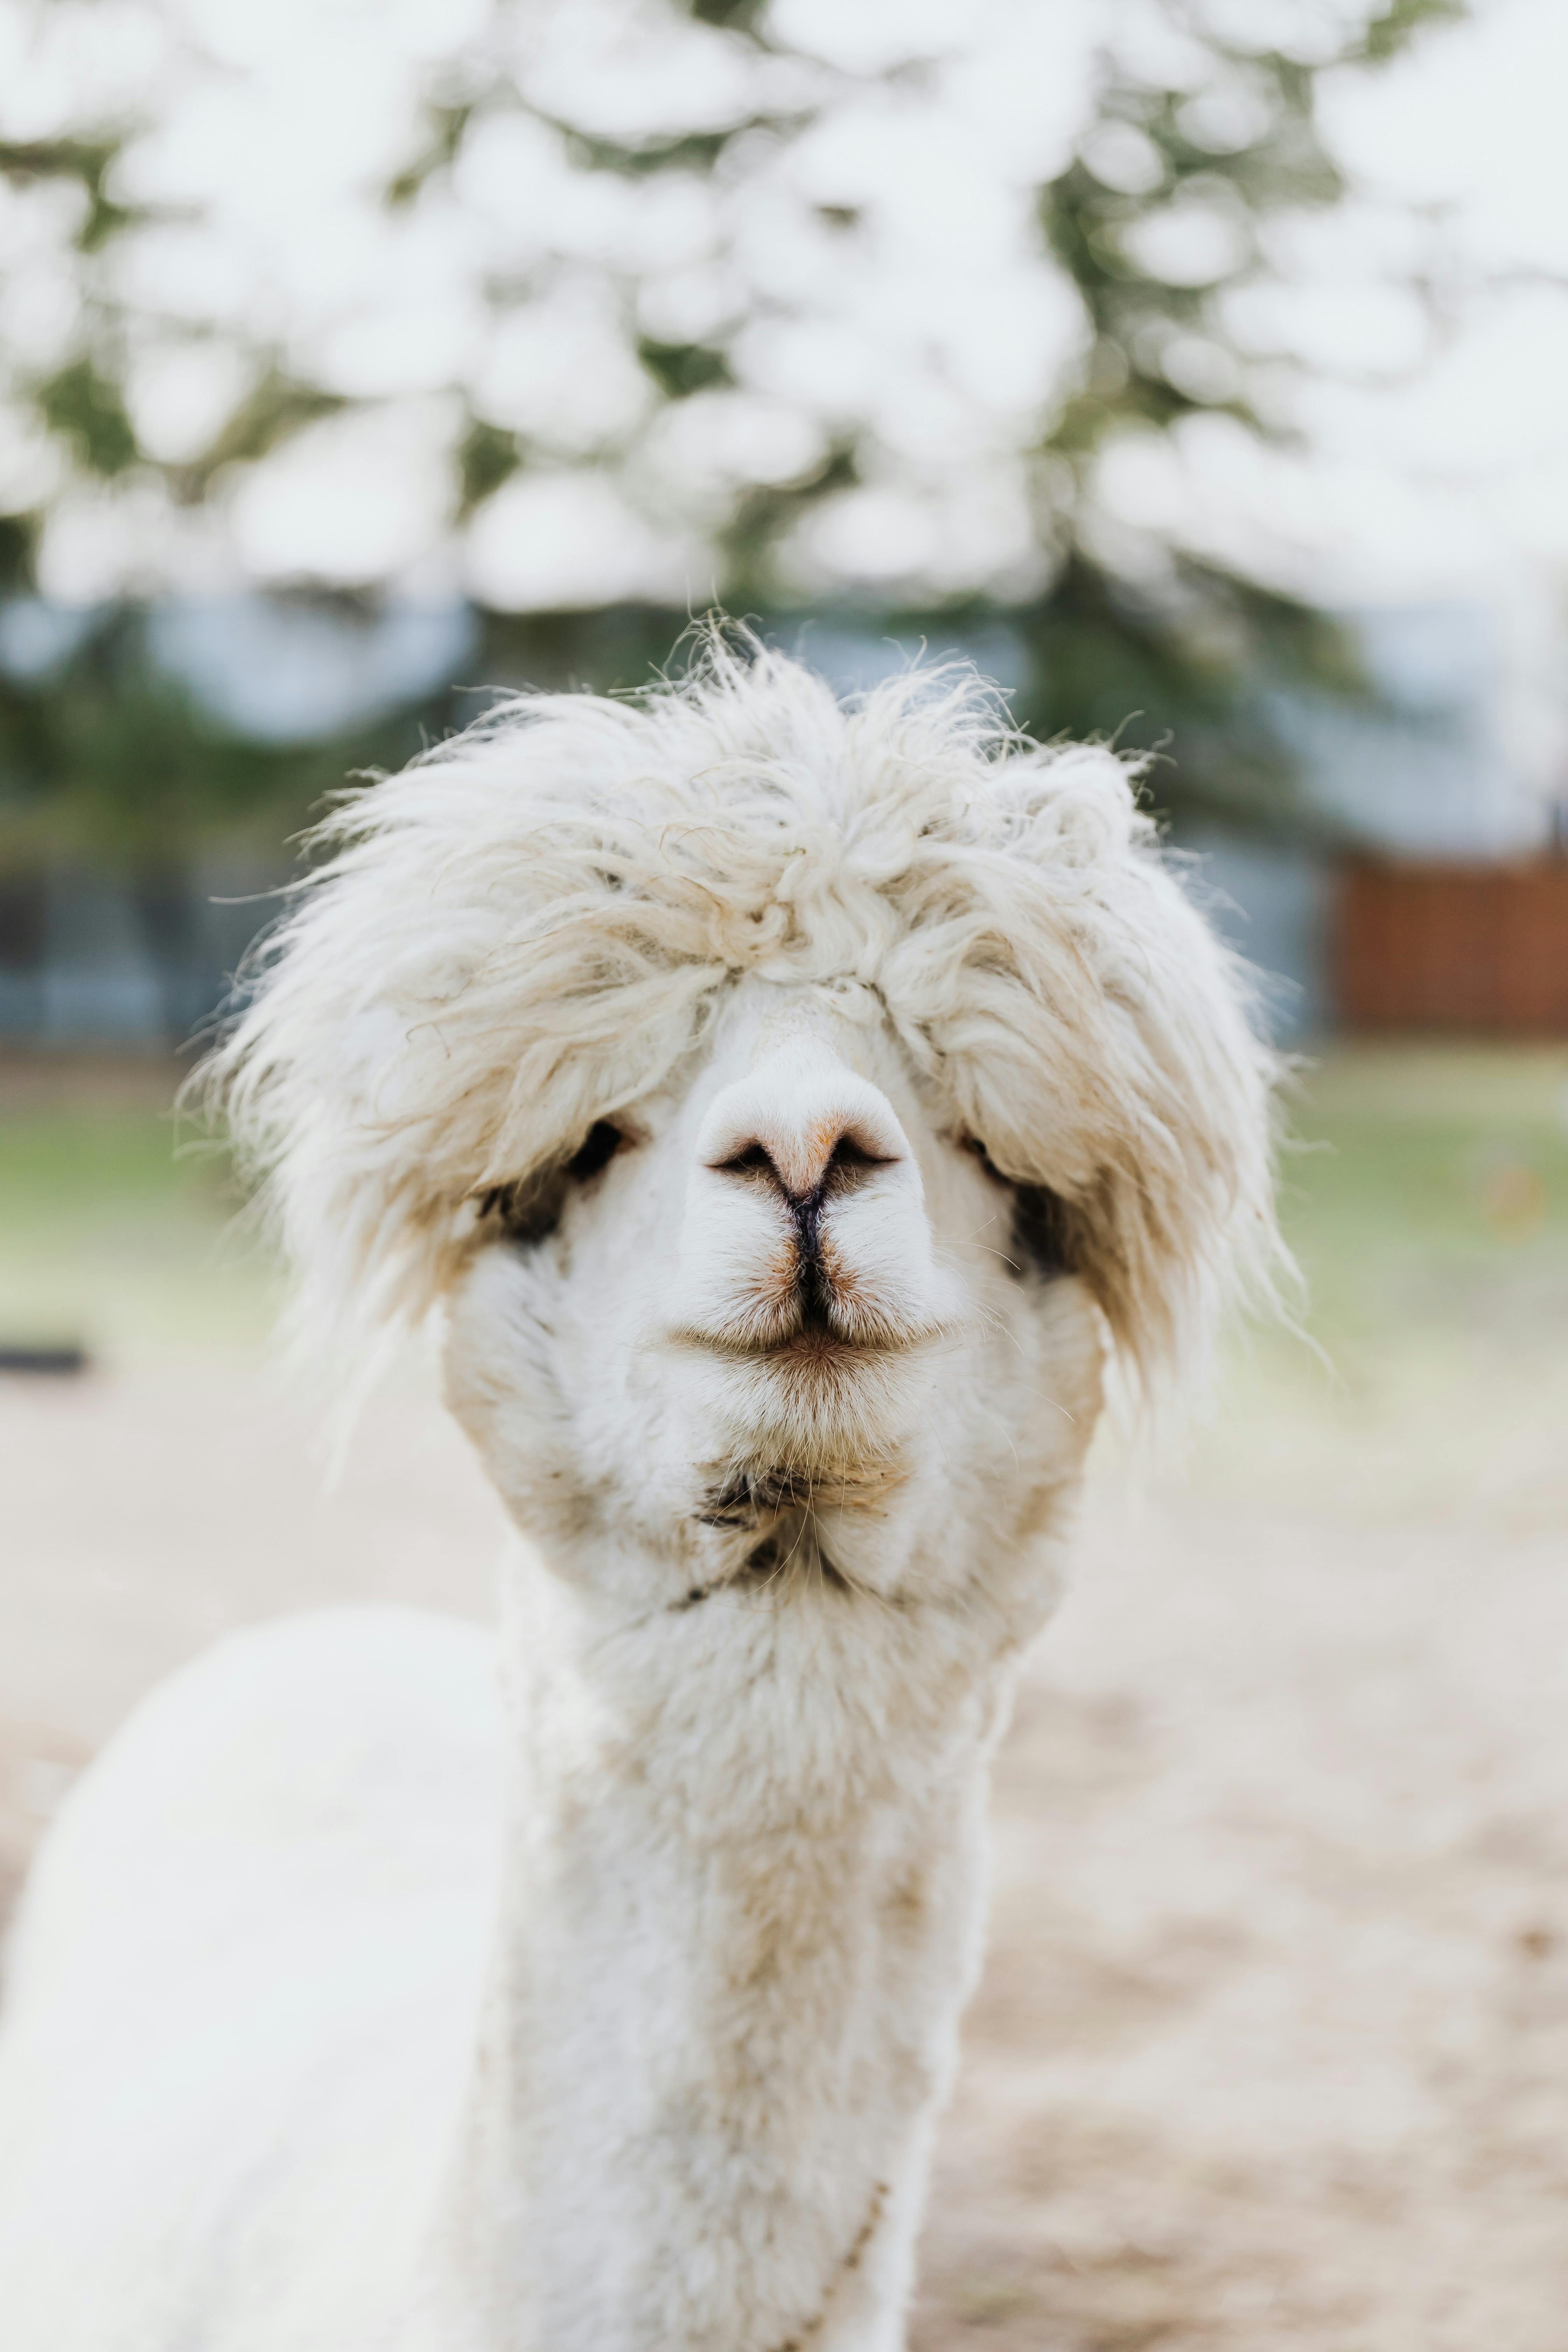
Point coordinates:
pixel 841 1269
pixel 824 1297
pixel 806 1247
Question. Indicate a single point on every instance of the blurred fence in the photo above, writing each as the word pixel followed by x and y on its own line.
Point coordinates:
pixel 92 958
pixel 1471 950
pixel 110 942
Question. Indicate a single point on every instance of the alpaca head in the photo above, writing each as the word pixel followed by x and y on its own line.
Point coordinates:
pixel 772 1315
pixel 790 1105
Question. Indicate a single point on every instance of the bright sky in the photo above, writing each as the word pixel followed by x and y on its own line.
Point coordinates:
pixel 1420 473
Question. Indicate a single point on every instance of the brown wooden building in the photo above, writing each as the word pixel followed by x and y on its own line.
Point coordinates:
pixel 1471 950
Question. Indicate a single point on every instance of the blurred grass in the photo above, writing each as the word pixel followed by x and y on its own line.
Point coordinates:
pixel 1429 1186
pixel 110 1235
pixel 1426 1199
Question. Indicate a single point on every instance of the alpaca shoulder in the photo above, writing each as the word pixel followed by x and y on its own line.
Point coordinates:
pixel 356 1728
pixel 298 1830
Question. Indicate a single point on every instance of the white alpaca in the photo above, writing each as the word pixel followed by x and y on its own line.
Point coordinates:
pixel 789 1107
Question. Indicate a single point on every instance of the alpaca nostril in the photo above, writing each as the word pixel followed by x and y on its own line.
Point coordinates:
pixel 851 1152
pixel 848 1161
pixel 757 1160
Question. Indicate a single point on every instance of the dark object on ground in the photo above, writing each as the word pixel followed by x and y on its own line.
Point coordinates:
pixel 55 1360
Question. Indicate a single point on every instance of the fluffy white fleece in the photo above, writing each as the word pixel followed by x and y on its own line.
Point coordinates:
pixel 534 924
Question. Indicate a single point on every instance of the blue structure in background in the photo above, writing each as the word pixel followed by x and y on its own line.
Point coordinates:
pixel 93 960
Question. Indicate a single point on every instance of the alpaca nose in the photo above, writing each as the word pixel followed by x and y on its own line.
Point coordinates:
pixel 802 1175
pixel 802 1121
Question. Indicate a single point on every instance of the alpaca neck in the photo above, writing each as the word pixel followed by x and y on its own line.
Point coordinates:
pixel 742 1914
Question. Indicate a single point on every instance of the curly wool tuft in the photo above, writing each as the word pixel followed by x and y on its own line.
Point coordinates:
pixel 532 926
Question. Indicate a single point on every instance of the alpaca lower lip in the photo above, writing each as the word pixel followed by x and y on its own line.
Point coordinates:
pixel 799 1347
pixel 812 1347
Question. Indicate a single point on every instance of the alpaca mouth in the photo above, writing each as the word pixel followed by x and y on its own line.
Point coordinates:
pixel 814 1324
pixel 807 1307
pixel 815 1333
pixel 812 1346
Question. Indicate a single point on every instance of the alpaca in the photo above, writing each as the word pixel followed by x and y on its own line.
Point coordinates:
pixel 790 1111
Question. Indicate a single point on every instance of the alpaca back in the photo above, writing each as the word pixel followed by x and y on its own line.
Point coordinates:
pixel 269 1899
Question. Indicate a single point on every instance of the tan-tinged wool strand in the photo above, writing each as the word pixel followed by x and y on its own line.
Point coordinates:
pixel 528 928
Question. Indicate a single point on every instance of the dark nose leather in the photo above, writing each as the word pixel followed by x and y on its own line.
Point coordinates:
pixel 845 1166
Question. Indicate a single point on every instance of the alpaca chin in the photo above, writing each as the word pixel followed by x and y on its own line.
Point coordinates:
pixel 828 1414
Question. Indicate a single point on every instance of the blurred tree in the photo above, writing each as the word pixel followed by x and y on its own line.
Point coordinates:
pixel 593 304
pixel 106 756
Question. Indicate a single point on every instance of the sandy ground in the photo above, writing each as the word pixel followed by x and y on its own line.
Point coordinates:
pixel 1273 2049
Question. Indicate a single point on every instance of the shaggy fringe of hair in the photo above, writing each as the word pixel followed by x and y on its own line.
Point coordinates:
pixel 533 925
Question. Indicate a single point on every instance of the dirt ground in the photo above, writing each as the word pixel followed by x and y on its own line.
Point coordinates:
pixel 1272 2046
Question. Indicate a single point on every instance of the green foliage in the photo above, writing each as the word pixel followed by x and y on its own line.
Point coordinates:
pixel 1389 31
pixel 275 407
pixel 17 535
pixel 85 164
pixel 86 410
pixel 487 456
pixel 1133 635
pixel 447 125
pixel 679 369
pixel 732 16
pixel 105 756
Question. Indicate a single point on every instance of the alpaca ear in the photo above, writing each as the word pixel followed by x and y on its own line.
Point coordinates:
pixel 1099 1040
